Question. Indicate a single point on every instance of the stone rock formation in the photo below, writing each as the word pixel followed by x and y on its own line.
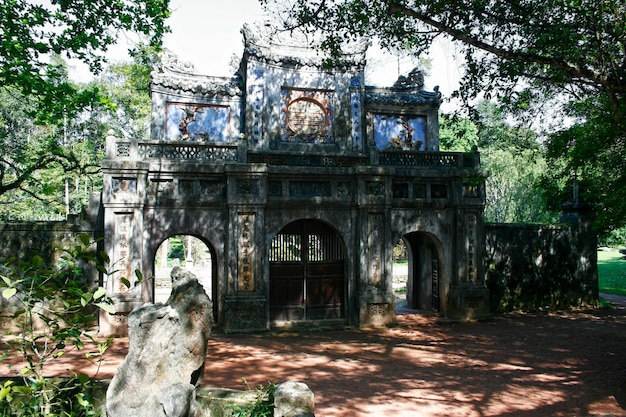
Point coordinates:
pixel 293 399
pixel 166 355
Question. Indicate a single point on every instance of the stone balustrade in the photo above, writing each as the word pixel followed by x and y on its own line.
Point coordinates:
pixel 134 150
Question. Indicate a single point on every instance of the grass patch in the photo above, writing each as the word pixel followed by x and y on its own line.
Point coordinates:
pixel 611 272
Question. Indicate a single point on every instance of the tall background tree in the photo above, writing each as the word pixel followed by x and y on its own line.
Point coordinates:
pixel 511 156
pixel 531 55
pixel 51 129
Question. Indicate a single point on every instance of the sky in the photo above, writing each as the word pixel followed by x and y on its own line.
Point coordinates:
pixel 207 34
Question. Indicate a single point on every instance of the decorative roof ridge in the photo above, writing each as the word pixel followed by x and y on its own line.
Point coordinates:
pixel 179 75
pixel 406 90
pixel 402 95
pixel 296 48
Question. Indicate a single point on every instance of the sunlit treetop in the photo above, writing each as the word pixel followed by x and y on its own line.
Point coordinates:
pixel 32 32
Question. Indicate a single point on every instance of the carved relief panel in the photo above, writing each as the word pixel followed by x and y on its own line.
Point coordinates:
pixel 246 252
pixel 374 242
pixel 122 256
pixel 197 122
pixel 470 221
pixel 307 116
pixel 399 131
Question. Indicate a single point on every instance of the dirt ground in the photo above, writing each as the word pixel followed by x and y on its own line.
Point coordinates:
pixel 550 364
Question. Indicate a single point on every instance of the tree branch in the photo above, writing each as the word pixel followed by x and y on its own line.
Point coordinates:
pixel 575 71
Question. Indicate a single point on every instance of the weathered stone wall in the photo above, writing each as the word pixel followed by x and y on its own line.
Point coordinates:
pixel 22 239
pixel 526 266
pixel 532 267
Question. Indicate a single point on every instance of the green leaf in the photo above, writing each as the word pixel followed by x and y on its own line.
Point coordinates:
pixel 104 256
pixel 106 307
pixel 80 397
pixel 37 261
pixel 102 347
pixel 84 300
pixel 6 389
pixel 84 239
pixel 100 292
pixel 22 390
pixel 83 378
pixel 9 292
pixel 125 282
pixel 6 280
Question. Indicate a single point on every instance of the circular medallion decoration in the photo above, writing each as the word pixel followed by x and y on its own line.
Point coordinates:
pixel 306 116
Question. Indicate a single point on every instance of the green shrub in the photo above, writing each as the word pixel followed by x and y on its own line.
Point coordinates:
pixel 177 249
pixel 263 405
pixel 54 308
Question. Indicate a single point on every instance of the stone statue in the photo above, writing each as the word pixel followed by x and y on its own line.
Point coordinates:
pixel 166 355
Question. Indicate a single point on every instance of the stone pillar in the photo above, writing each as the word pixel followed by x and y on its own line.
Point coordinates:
pixel 578 214
pixel 469 296
pixel 123 199
pixel 245 302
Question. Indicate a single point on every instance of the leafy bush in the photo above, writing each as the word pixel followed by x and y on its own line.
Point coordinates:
pixel 263 406
pixel 54 309
pixel 177 249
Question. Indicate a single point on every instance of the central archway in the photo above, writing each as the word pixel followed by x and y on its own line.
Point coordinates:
pixel 307 273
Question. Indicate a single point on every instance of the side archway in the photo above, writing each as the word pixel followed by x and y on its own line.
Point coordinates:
pixel 188 252
pixel 424 271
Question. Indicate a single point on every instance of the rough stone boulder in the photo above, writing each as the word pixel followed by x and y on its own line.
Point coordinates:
pixel 166 355
pixel 293 399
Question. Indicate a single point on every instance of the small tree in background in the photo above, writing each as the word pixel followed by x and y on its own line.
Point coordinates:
pixel 513 159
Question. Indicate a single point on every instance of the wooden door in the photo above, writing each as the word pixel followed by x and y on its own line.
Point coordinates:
pixel 306 273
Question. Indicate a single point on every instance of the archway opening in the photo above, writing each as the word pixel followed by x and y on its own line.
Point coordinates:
pixel 188 252
pixel 307 273
pixel 400 273
pixel 417 280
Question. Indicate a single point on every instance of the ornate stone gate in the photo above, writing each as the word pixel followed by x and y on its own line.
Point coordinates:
pixel 243 162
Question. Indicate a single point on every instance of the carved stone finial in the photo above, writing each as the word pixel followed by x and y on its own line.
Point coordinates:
pixel 415 79
pixel 172 62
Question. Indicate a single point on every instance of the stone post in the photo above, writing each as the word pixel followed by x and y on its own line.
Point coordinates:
pixel 293 399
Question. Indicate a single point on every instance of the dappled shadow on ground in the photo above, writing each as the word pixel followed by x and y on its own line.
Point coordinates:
pixel 550 365
pixel 558 364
